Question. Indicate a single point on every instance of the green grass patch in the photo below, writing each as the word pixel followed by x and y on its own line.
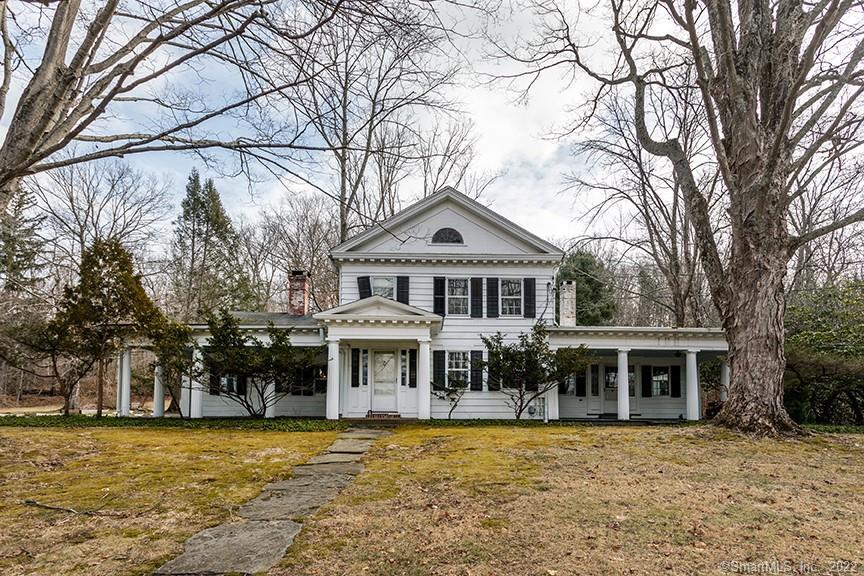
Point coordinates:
pixel 835 428
pixel 252 424
pixel 142 491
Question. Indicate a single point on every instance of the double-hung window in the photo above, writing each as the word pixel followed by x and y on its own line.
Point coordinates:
pixel 660 381
pixel 228 384
pixel 384 286
pixel 457 296
pixel 458 368
pixel 511 297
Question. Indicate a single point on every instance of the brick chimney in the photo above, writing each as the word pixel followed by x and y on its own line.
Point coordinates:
pixel 298 293
pixel 567 304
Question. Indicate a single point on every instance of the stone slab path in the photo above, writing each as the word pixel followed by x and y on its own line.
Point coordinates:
pixel 268 524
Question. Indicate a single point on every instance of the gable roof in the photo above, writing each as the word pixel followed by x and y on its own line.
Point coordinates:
pixel 448 193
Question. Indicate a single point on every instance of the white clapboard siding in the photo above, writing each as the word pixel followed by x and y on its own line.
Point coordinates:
pixel 216 406
pixel 459 333
pixel 483 405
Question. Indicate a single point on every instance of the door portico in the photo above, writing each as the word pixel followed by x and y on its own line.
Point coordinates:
pixel 378 358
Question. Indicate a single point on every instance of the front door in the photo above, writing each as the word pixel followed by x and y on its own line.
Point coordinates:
pixel 385 384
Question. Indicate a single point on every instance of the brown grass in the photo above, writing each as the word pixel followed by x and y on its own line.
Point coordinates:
pixel 152 488
pixel 612 500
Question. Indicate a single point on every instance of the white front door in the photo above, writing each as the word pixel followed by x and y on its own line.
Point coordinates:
pixel 385 382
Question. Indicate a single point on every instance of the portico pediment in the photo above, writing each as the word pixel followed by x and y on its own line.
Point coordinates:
pixel 377 309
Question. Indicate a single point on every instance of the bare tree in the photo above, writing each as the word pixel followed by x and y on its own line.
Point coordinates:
pixel 140 62
pixel 779 86
pixel 301 232
pixel 104 199
pixel 658 227
pixel 830 196
pixel 369 83
pixel 447 158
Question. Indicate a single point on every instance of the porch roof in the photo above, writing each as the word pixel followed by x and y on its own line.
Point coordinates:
pixel 260 320
pixel 640 337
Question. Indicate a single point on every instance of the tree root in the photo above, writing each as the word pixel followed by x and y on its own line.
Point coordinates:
pixel 760 425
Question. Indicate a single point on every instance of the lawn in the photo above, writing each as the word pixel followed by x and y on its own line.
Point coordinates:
pixel 592 500
pixel 146 491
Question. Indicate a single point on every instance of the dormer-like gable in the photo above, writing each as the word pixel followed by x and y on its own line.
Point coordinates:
pixel 447 225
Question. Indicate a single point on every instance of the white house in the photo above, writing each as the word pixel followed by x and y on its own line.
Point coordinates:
pixel 417 292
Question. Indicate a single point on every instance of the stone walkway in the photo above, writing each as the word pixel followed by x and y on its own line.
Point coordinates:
pixel 269 523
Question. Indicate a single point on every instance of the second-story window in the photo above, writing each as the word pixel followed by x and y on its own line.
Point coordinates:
pixel 457 296
pixel 384 286
pixel 511 297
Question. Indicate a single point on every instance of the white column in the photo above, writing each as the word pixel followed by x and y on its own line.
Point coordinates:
pixel 693 412
pixel 125 405
pixel 269 397
pixel 623 385
pixel 158 393
pixel 424 393
pixel 724 381
pixel 196 388
pixel 333 379
pixel 117 401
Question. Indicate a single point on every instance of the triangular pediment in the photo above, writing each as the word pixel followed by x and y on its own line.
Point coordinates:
pixel 377 307
pixel 411 232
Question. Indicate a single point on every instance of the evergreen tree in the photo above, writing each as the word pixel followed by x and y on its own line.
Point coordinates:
pixel 595 300
pixel 20 245
pixel 94 317
pixel 206 274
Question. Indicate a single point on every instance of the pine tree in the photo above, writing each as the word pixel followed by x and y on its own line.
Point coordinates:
pixel 595 300
pixel 206 271
pixel 20 245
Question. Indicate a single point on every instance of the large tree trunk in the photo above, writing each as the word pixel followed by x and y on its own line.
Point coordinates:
pixel 754 322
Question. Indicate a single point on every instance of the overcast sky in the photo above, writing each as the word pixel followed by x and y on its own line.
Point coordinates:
pixel 512 140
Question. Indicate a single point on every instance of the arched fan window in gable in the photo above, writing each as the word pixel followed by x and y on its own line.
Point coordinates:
pixel 447 236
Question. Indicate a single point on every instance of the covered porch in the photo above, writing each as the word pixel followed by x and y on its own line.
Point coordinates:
pixel 639 373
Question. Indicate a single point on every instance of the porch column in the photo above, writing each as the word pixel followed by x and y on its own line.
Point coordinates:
pixel 125 393
pixel 119 377
pixel 332 379
pixel 158 393
pixel 724 381
pixel 693 412
pixel 623 385
pixel 424 394
pixel 269 400
pixel 196 389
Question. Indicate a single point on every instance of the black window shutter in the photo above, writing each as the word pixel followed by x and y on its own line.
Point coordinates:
pixel 439 285
pixel 493 381
pixel 580 385
pixel 214 383
pixel 647 384
pixel 241 385
pixel 675 381
pixel 476 370
pixel 438 369
pixel 412 368
pixel 355 368
pixel 402 289
pixel 364 286
pixel 529 297
pixel 492 297
pixel 476 297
